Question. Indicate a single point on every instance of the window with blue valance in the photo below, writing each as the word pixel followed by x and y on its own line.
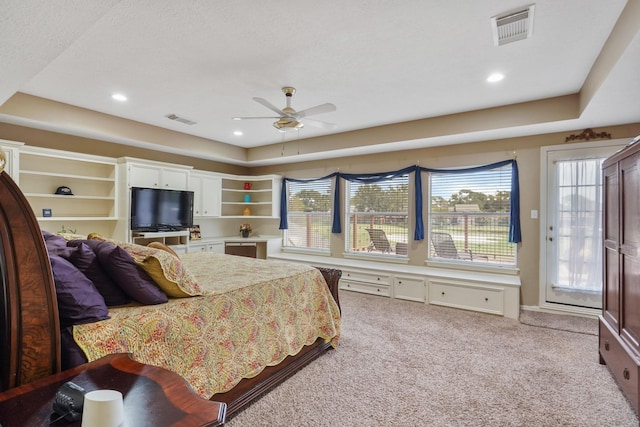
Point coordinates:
pixel 419 232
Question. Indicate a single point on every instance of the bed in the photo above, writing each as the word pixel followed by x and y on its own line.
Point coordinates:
pixel 31 336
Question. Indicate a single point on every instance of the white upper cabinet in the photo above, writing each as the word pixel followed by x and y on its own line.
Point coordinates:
pixel 157 175
pixel 206 188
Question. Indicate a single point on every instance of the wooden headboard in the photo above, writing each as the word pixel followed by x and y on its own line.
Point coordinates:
pixel 30 329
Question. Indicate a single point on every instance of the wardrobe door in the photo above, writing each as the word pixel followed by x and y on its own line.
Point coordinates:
pixel 611 237
pixel 629 250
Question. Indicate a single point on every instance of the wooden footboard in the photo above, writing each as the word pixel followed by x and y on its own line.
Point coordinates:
pixel 332 277
pixel 250 389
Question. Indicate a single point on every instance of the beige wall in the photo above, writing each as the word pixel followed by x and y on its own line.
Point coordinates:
pixel 526 149
pixel 59 141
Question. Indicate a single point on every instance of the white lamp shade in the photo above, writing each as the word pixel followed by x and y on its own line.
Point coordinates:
pixel 103 408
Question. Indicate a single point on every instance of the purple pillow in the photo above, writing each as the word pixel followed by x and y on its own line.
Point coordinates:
pixel 78 299
pixel 133 280
pixel 54 243
pixel 85 260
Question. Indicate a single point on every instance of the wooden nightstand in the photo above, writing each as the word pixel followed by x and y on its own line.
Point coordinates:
pixel 152 396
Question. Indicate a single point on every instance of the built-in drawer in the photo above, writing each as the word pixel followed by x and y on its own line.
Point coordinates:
pixel 409 288
pixel 197 248
pixel 487 299
pixel 368 288
pixel 217 247
pixel 622 365
pixel 372 278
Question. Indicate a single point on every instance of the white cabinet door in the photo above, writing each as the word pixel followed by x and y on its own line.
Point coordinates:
pixel 206 195
pixel 216 247
pixel 144 176
pixel 197 247
pixel 210 196
pixel 409 288
pixel 150 176
pixel 195 185
pixel 175 179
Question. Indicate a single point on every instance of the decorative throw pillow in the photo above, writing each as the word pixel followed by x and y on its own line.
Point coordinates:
pixel 79 301
pixel 163 247
pixel 131 278
pixel 100 238
pixel 54 243
pixel 85 260
pixel 96 236
pixel 71 236
pixel 165 269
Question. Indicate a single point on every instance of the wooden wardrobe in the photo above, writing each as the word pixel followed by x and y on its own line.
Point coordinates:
pixel 619 326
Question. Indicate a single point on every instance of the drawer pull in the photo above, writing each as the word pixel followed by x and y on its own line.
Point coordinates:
pixel 378 278
pixel 378 289
pixel 442 293
pixel 486 299
pixel 626 374
pixel 606 345
pixel 399 282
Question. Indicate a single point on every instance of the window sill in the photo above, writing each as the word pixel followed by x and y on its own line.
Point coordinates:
pixel 376 257
pixel 307 251
pixel 473 266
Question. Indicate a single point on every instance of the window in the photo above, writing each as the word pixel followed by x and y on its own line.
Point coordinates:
pixel 469 216
pixel 309 214
pixel 578 231
pixel 378 216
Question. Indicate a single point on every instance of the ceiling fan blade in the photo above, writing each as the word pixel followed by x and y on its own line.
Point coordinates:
pixel 251 118
pixel 318 109
pixel 319 123
pixel 269 106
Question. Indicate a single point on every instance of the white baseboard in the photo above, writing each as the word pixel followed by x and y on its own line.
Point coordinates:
pixel 564 310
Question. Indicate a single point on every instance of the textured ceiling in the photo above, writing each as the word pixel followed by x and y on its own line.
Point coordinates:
pixel 379 62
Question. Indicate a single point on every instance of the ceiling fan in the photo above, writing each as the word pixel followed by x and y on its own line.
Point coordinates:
pixel 288 118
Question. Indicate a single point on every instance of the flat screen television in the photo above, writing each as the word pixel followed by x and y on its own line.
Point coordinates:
pixel 155 209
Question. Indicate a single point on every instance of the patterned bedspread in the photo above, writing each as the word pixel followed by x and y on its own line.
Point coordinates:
pixel 253 314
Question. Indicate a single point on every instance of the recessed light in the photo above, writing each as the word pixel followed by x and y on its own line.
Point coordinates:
pixel 119 97
pixel 495 77
pixel 237 133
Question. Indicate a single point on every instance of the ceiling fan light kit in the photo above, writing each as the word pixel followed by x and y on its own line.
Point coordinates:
pixel 290 119
pixel 286 124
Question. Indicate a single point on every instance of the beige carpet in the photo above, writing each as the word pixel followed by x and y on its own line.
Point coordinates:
pixel 562 322
pixel 410 364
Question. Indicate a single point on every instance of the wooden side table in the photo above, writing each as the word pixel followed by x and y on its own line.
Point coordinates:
pixel 152 396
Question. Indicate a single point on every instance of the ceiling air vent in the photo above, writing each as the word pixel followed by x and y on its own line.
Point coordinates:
pixel 180 119
pixel 512 26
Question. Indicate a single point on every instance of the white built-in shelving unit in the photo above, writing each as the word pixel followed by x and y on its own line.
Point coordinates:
pixel 259 194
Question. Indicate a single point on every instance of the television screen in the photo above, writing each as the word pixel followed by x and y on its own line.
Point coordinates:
pixel 159 209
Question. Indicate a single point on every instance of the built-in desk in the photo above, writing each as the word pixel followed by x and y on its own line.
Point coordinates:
pixel 253 246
